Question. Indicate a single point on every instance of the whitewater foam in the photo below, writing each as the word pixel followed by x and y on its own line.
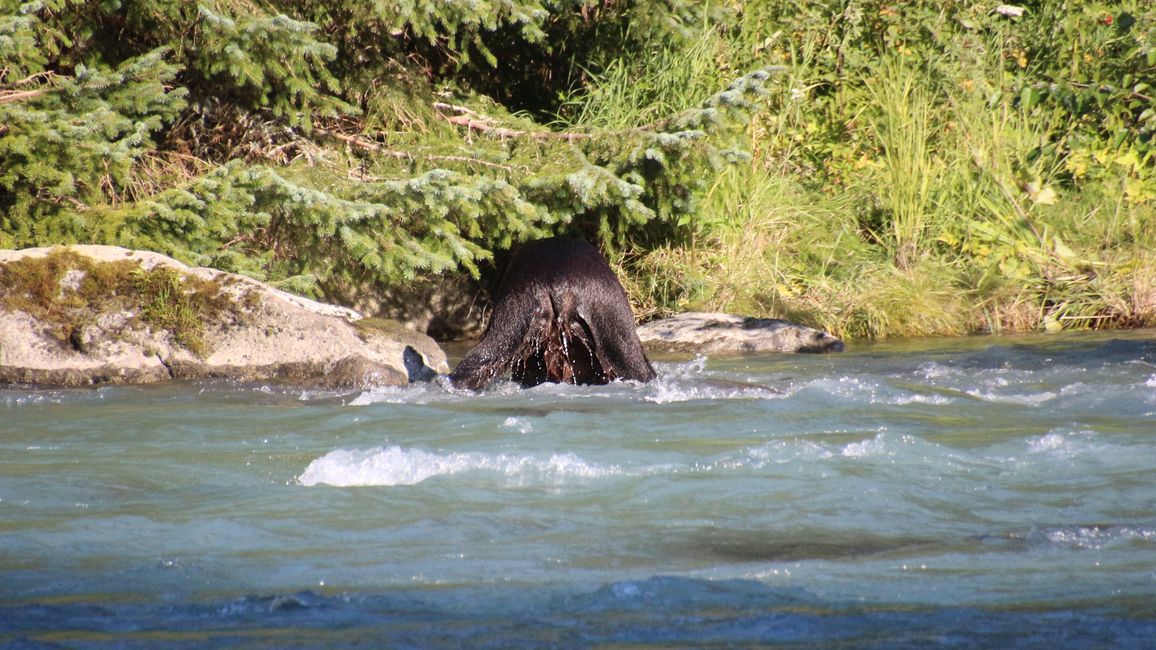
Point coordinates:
pixel 1049 442
pixel 396 465
pixel 876 446
pixel 418 393
pixel 1066 443
pixel 690 381
pixel 1091 537
pixel 1022 399
pixel 521 425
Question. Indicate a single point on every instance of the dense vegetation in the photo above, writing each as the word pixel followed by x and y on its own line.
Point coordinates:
pixel 872 168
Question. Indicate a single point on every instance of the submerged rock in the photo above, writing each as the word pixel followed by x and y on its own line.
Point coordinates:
pixel 718 332
pixel 86 315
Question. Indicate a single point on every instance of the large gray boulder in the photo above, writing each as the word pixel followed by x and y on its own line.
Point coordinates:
pixel 113 315
pixel 718 332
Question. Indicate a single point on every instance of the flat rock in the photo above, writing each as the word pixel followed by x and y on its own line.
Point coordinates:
pixel 261 333
pixel 718 332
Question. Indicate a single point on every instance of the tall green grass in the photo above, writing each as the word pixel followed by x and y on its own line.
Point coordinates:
pixel 643 87
pixel 913 195
pixel 902 113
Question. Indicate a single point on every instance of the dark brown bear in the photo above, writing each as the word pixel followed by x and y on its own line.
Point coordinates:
pixel 562 317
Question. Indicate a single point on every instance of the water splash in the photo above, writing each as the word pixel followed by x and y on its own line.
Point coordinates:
pixel 519 424
pixel 690 381
pixel 418 393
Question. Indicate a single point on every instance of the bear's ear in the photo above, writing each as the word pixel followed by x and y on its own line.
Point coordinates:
pixel 415 366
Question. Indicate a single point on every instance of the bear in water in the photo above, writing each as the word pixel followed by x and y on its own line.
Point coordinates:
pixel 562 317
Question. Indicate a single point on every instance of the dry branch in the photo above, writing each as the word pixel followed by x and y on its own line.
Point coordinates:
pixel 11 95
pixel 482 124
pixel 7 97
pixel 370 145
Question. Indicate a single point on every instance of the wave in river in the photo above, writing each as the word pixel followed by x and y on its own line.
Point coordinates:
pixel 397 466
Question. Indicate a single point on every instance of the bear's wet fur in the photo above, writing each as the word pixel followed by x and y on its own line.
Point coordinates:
pixel 561 316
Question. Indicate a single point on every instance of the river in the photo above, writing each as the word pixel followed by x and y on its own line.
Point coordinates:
pixel 971 492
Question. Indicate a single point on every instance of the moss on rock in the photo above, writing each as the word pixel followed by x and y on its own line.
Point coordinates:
pixel 69 292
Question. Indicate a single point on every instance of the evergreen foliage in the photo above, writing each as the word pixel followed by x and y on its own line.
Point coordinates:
pixel 70 141
pixel 223 133
pixel 978 166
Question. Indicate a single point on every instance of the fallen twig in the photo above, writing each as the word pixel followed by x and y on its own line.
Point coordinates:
pixel 17 95
pixel 9 96
pixel 370 145
pixel 475 122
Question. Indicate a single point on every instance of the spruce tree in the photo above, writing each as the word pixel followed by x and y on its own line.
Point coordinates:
pixel 313 143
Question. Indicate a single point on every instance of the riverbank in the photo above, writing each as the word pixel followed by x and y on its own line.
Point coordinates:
pixel 868 169
pixel 90 315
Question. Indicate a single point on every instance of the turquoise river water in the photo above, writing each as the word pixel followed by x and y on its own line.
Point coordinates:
pixel 979 492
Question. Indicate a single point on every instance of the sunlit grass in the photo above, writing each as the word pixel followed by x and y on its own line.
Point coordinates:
pixel 903 121
pixel 949 207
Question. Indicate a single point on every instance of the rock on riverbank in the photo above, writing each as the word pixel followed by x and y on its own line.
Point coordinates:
pixel 717 332
pixel 85 315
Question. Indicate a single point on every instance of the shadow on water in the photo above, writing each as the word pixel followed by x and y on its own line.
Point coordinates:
pixel 757 546
pixel 1026 351
pixel 766 546
pixel 657 612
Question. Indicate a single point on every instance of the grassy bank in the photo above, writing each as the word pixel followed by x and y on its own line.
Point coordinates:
pixel 932 170
pixel 871 168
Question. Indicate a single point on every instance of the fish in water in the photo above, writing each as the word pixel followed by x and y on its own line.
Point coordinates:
pixel 561 316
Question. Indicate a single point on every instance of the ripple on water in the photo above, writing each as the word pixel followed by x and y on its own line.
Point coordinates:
pixel 878 391
pixel 676 382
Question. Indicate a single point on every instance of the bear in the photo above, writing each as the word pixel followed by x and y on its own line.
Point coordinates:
pixel 561 316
